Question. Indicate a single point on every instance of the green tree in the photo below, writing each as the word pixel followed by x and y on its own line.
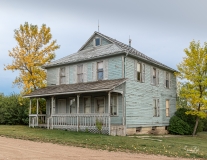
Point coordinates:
pixel 34 49
pixel 193 71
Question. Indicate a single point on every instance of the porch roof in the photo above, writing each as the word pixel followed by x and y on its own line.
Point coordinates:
pixel 97 86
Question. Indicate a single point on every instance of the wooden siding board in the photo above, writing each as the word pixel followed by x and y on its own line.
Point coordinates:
pixel 139 98
pixel 52 74
pixel 115 67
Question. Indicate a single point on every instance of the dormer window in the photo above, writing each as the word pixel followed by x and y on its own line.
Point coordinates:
pixel 97 41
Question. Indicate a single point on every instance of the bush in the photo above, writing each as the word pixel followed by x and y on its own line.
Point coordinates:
pixel 12 111
pixel 190 120
pixel 178 126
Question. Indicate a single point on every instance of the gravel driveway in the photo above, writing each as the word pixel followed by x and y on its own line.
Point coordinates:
pixel 12 149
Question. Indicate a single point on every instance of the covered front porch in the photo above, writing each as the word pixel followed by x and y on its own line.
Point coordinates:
pixel 95 111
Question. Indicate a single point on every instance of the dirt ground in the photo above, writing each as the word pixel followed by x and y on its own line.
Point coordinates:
pixel 12 149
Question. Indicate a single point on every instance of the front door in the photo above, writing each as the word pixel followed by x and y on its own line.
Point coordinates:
pixel 62 106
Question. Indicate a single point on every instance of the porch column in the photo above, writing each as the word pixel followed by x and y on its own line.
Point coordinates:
pixel 109 99
pixel 52 108
pixel 30 108
pixel 37 109
pixel 78 96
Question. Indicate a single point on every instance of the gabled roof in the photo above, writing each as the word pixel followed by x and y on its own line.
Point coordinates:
pixel 97 86
pixel 116 47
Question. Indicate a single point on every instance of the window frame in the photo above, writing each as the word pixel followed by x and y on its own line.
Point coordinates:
pixel 156 108
pixel 140 72
pixel 100 70
pixel 117 110
pixel 167 80
pixel 80 74
pixel 69 99
pixel 84 104
pixel 62 76
pixel 154 77
pixel 95 41
pixel 95 106
pixel 167 108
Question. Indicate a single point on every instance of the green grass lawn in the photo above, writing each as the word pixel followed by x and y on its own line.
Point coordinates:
pixel 179 146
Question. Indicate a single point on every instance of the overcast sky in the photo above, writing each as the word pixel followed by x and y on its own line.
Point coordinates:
pixel 161 29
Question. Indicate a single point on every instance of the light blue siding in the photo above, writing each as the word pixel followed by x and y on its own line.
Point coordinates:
pixel 115 67
pixel 139 98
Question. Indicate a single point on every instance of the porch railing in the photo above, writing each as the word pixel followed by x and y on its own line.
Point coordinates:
pixel 94 123
pixel 37 120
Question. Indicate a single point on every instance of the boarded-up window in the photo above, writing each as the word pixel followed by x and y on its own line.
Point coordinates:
pixel 167 80
pixel 114 105
pixel 87 104
pixel 80 73
pixel 100 70
pixel 139 72
pixel 62 75
pixel 99 104
pixel 143 72
pixel 156 107
pixel 167 108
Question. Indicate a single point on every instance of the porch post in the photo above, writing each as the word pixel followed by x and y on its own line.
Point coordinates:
pixel 52 99
pixel 78 96
pixel 37 109
pixel 109 99
pixel 30 107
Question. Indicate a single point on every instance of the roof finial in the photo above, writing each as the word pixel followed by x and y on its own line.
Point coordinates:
pixel 98 25
pixel 130 41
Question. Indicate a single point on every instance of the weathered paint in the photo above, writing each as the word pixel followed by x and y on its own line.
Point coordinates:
pixel 139 98
pixel 90 44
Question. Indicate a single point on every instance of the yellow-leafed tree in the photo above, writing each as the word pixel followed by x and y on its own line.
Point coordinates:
pixel 193 71
pixel 35 48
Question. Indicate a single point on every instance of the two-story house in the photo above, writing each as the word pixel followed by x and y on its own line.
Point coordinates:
pixel 110 84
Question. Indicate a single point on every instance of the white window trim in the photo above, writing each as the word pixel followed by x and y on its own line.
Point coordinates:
pixel 84 105
pixel 117 113
pixel 96 106
pixel 69 104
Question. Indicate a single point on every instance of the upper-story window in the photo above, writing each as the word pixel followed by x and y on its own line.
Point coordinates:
pixel 138 71
pixel 62 75
pixel 100 70
pixel 80 73
pixel 167 81
pixel 154 76
pixel 97 41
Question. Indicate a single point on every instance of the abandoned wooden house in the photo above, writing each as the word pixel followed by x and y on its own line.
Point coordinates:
pixel 110 84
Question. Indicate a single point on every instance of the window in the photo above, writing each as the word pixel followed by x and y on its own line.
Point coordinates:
pixel 156 107
pixel 80 73
pixel 114 105
pixel 100 70
pixel 72 104
pixel 167 108
pixel 87 104
pixel 99 104
pixel 62 75
pixel 138 71
pixel 97 42
pixel 154 76
pixel 167 81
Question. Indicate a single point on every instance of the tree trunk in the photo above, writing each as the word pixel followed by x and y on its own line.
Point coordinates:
pixel 196 125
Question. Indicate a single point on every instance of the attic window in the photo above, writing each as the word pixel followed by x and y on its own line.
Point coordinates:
pixel 97 42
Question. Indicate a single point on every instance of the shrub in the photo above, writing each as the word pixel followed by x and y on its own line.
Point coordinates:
pixel 178 126
pixel 12 111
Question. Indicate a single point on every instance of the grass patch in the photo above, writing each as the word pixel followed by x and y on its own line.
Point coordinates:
pixel 182 146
